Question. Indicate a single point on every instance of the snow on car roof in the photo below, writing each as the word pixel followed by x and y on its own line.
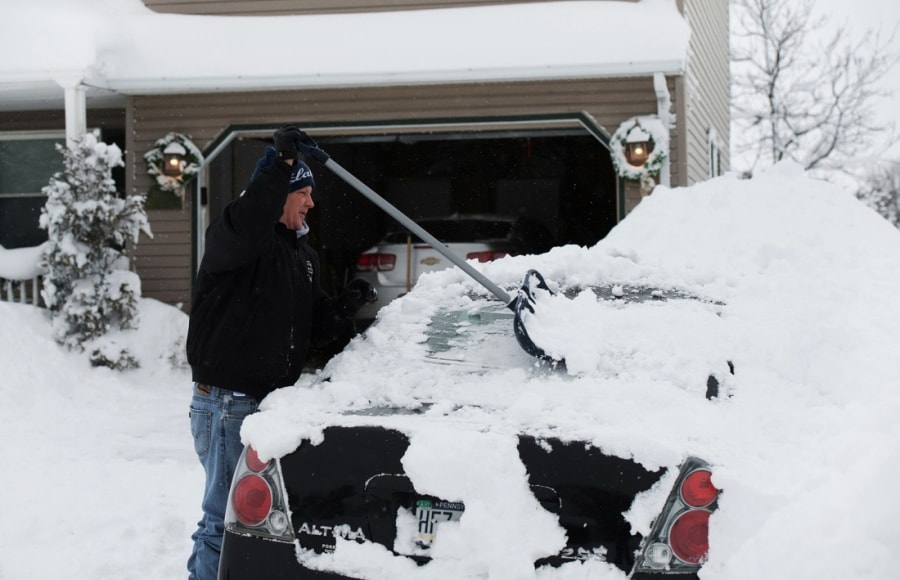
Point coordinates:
pixel 794 282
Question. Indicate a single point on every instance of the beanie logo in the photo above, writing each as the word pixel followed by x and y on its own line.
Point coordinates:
pixel 302 177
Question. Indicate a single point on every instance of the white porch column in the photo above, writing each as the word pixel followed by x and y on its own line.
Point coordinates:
pixel 76 110
pixel 664 112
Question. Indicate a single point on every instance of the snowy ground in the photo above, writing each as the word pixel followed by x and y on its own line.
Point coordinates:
pixel 100 479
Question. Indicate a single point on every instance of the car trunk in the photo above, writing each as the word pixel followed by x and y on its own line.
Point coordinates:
pixel 353 485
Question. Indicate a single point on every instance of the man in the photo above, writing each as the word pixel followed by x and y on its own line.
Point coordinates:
pixel 257 306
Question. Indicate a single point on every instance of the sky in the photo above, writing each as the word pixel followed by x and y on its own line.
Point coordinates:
pixel 799 283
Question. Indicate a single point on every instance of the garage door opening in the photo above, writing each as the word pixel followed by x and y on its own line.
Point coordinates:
pixel 560 180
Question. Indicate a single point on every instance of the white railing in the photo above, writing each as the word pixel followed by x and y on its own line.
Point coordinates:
pixel 24 291
pixel 20 275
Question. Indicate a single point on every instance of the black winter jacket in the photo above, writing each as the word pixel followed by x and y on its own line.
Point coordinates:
pixel 257 302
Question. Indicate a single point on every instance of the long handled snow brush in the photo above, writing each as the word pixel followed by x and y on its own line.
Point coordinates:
pixel 522 305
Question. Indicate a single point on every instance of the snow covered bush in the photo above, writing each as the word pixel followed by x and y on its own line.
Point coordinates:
pixel 881 192
pixel 88 285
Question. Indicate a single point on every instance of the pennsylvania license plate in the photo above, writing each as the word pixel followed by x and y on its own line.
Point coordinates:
pixel 430 513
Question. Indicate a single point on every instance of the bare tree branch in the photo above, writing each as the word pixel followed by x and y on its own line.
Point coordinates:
pixel 799 99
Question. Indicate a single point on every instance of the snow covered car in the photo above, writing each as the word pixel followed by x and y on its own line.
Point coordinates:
pixel 687 420
pixel 394 264
pixel 350 481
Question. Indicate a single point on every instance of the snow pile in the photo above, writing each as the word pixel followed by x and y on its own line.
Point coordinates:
pixel 796 281
pixel 100 467
pixel 799 281
pixel 20 263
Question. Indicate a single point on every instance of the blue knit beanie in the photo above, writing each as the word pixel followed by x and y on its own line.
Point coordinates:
pixel 301 177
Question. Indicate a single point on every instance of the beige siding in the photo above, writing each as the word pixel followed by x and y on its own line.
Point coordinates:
pixel 285 7
pixel 706 83
pixel 164 263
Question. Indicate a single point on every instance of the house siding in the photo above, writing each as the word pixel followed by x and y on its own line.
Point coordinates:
pixel 164 262
pixel 297 7
pixel 706 86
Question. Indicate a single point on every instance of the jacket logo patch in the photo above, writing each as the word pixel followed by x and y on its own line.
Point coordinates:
pixel 309 270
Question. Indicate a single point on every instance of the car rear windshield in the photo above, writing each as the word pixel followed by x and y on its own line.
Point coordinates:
pixel 463 230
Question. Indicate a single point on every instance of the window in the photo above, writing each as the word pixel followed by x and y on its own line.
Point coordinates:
pixel 27 162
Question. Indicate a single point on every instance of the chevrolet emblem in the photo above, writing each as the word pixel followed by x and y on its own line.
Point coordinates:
pixel 429 261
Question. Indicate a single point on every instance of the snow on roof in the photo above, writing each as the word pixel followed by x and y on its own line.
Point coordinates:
pixel 123 47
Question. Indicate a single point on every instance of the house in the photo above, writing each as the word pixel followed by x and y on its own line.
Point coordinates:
pixel 525 108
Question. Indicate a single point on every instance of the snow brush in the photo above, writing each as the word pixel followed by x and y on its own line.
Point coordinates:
pixel 522 305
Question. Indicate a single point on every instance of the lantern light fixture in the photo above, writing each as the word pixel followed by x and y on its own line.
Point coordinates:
pixel 638 146
pixel 174 160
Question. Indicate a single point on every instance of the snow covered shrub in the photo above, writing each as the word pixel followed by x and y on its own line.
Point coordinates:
pixel 109 354
pixel 88 286
pixel 881 192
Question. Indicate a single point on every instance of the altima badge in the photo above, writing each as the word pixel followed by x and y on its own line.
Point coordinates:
pixel 339 531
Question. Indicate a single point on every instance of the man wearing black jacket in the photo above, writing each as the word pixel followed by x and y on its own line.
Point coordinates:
pixel 257 306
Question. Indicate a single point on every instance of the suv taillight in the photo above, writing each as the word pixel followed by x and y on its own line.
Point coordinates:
pixel 256 503
pixel 376 261
pixel 679 541
pixel 486 256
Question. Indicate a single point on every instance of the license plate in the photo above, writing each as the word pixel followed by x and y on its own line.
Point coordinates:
pixel 429 514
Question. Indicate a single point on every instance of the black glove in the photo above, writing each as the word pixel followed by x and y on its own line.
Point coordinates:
pixel 286 139
pixel 357 294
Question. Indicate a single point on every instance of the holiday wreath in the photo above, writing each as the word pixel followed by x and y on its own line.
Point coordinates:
pixel 191 162
pixel 649 129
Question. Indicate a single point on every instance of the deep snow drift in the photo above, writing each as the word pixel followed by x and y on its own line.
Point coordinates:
pixel 101 480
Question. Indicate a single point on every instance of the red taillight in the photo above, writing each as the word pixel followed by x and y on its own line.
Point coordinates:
pixel 485 256
pixel 689 537
pixel 697 490
pixel 253 462
pixel 366 262
pixel 251 500
pixel 679 540
pixel 372 262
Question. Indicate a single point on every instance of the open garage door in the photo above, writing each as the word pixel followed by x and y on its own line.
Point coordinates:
pixel 557 175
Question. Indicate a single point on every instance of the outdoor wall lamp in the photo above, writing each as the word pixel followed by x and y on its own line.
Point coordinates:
pixel 638 146
pixel 174 160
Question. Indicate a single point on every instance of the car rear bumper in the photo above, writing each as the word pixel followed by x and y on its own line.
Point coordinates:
pixel 252 558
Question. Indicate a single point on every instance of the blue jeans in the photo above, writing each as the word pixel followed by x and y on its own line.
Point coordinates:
pixel 216 418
